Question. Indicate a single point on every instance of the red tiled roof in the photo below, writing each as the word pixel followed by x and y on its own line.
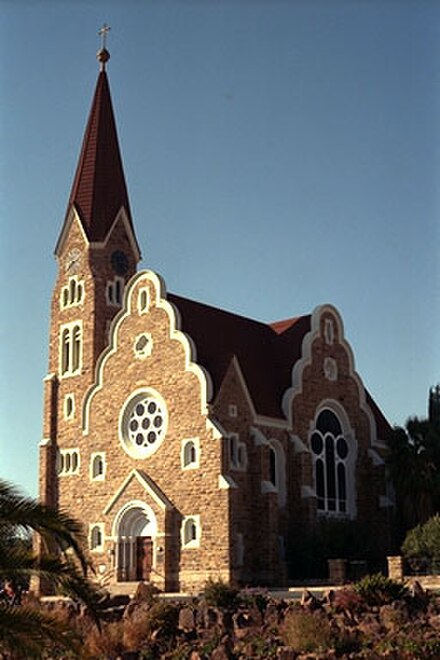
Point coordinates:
pixel 99 188
pixel 266 356
pixel 266 353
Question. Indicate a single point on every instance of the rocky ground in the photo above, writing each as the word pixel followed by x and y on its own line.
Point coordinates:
pixel 225 625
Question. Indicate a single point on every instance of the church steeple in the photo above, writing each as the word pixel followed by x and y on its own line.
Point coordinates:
pixel 99 190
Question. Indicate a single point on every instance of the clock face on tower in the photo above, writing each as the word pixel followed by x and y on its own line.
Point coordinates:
pixel 119 261
pixel 73 261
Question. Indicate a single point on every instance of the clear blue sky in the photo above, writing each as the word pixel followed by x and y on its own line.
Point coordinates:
pixel 278 155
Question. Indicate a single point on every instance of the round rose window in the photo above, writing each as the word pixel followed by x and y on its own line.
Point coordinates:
pixel 144 422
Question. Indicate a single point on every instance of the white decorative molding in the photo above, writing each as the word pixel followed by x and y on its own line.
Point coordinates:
pixel 306 360
pixel 147 484
pixel 268 487
pixel 307 491
pixel 158 300
pixel 258 436
pixel 377 460
pixel 298 445
pixel 330 369
pixel 225 482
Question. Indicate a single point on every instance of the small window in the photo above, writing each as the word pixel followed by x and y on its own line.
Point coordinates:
pixel 190 453
pixel 237 452
pixel 96 537
pixel 143 345
pixel 232 410
pixel 69 406
pixel 239 550
pixel 191 532
pixel 97 470
pixel 72 293
pixel 115 291
pixel 143 300
pixel 68 462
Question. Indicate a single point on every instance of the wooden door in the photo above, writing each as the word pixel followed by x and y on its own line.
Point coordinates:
pixel 144 557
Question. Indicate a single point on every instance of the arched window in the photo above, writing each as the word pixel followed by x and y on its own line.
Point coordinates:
pixel 330 453
pixel 190 453
pixel 191 531
pixel 98 466
pixel 143 300
pixel 70 348
pixel 96 537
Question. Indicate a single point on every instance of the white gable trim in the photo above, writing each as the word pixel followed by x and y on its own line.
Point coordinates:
pixel 129 304
pixel 72 216
pixel 147 484
pixel 120 216
pixel 306 360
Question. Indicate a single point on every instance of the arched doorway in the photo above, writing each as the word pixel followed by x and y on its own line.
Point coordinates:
pixel 135 531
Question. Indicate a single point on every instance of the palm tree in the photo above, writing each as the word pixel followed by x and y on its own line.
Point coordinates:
pixel 414 466
pixel 61 563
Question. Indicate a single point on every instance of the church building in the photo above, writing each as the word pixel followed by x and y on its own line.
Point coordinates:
pixel 192 443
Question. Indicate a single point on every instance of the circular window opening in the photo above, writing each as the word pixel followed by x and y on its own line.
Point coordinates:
pixel 144 424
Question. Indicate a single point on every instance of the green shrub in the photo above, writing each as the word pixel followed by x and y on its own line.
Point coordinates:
pixel 377 589
pixel 424 540
pixel 219 594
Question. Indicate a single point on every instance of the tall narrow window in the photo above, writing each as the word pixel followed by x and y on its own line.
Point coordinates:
pixel 72 293
pixel 330 451
pixel 70 348
pixel 273 466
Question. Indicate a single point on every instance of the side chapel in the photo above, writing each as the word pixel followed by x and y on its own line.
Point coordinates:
pixel 190 441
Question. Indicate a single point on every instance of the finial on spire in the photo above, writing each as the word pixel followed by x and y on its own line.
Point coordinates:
pixel 103 55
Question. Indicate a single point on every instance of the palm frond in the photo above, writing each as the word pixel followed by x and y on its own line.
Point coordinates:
pixel 24 631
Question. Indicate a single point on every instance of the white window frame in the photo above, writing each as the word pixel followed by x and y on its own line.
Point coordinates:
pixel 278 485
pixel 191 543
pixel 349 463
pixel 95 455
pixel 100 527
pixel 73 293
pixel 65 460
pixel 190 465
pixel 70 350
pixel 69 397
pixel 114 291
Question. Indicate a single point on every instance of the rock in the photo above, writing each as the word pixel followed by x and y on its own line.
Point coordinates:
pixel 186 619
pixel 286 653
pixel 220 653
pixel 309 601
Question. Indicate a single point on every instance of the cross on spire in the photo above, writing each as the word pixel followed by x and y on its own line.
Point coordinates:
pixel 103 34
pixel 103 55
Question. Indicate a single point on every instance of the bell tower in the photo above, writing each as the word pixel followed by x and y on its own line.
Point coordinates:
pixel 97 253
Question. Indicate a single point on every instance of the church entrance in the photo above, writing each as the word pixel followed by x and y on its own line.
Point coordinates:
pixel 135 532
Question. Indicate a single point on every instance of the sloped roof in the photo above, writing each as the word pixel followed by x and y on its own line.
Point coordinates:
pixel 265 354
pixel 99 189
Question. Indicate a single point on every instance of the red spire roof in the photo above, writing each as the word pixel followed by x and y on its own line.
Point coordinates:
pixel 99 188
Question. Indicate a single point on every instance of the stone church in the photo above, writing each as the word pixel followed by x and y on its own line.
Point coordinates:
pixel 190 441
